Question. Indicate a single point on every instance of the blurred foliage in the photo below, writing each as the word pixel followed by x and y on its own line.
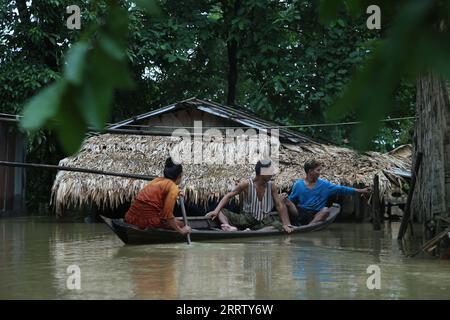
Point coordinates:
pixel 95 67
pixel 290 67
pixel 415 40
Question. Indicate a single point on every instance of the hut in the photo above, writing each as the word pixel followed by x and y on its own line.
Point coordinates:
pixel 12 180
pixel 141 144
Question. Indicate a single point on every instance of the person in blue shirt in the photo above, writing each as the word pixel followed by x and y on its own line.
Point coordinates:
pixel 307 203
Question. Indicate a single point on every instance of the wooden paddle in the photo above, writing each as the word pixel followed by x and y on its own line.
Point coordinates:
pixel 183 211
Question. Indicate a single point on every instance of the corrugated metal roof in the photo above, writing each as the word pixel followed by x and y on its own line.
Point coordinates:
pixel 239 116
pixel 141 117
pixel 400 172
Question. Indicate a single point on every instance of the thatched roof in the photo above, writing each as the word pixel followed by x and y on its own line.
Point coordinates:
pixel 146 155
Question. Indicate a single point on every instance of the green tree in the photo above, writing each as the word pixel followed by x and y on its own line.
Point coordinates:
pixel 416 46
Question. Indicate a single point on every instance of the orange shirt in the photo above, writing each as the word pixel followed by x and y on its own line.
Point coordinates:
pixel 154 204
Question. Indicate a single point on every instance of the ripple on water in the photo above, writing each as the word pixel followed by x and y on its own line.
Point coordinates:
pixel 328 264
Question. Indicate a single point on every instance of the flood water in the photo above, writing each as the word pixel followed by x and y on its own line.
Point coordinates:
pixel 329 264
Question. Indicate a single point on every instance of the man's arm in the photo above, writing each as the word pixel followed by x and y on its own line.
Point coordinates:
pixel 243 185
pixel 343 190
pixel 281 209
pixel 167 212
pixel 366 190
pixel 173 224
pixel 291 200
pixel 292 209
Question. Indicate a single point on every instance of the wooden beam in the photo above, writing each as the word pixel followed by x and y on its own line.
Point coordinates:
pixel 407 212
pixel 431 244
pixel 443 218
pixel 75 169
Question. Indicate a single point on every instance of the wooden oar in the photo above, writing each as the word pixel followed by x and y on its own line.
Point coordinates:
pixel 183 211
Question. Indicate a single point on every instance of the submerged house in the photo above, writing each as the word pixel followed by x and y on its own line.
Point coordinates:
pixel 12 180
pixel 141 144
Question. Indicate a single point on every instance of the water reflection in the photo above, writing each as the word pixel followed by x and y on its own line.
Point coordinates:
pixel 330 264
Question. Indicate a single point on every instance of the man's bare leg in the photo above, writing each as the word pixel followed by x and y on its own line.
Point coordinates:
pixel 222 218
pixel 321 215
pixel 224 223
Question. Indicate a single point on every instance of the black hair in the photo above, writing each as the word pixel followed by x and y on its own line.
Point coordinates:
pixel 311 165
pixel 262 164
pixel 171 170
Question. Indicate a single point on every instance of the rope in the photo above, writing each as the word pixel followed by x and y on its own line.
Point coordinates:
pixel 242 127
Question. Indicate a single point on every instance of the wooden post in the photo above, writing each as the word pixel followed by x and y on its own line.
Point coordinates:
pixel 376 209
pixel 360 208
pixel 382 209
pixel 357 210
pixel 407 211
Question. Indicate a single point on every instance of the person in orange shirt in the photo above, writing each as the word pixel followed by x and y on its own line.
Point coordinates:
pixel 153 206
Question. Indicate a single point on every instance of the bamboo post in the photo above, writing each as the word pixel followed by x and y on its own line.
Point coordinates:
pixel 376 204
pixel 75 169
pixel 407 212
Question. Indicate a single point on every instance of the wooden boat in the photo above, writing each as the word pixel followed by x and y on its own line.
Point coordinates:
pixel 203 229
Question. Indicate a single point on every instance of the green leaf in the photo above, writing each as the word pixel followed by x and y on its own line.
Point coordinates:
pixel 355 7
pixel 112 71
pixel 328 10
pixel 76 58
pixel 214 16
pixel 111 47
pixel 42 107
pixel 171 58
pixel 95 101
pixel 150 6
pixel 71 128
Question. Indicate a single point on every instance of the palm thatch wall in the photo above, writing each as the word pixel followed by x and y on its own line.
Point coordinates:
pixel 146 155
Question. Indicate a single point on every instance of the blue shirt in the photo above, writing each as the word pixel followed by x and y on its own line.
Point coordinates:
pixel 317 197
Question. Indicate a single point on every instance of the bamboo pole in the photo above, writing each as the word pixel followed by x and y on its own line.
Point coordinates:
pixel 75 169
